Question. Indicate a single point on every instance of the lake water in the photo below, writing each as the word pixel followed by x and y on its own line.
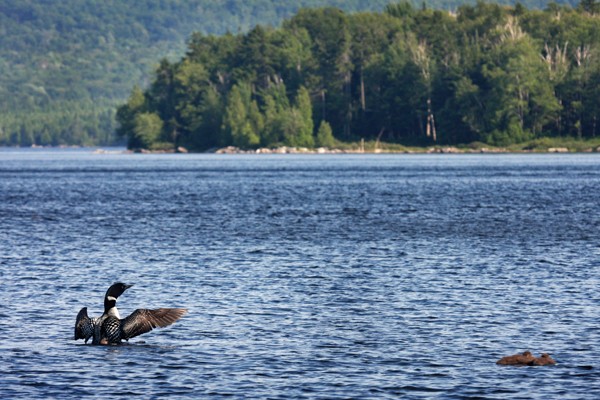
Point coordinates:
pixel 305 276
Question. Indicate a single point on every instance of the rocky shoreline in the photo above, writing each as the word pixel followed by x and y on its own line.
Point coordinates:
pixel 324 150
pixel 429 150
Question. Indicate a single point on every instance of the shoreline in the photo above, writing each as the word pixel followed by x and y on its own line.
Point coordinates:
pixel 424 150
pixel 411 150
pixel 324 150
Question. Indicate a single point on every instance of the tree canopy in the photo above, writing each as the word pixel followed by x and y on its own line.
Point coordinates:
pixel 64 65
pixel 485 72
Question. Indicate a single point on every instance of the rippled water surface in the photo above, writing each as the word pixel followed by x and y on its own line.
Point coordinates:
pixel 305 276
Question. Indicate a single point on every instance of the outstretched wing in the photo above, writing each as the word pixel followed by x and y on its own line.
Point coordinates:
pixel 81 324
pixel 142 321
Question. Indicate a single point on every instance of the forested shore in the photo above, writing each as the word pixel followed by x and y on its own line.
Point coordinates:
pixel 485 73
pixel 66 65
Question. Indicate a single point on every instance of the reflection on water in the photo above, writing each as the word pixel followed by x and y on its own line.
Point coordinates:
pixel 305 276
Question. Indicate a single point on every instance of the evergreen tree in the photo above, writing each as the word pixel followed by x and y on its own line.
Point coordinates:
pixel 242 121
pixel 304 107
pixel 275 109
pixel 329 31
pixel 325 135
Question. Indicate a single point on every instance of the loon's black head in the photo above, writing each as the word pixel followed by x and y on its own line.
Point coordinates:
pixel 117 289
pixel 113 292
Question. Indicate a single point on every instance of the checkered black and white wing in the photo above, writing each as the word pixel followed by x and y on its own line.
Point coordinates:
pixel 84 325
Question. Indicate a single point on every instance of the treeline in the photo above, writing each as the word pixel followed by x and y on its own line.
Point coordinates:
pixel 71 124
pixel 486 73
pixel 65 63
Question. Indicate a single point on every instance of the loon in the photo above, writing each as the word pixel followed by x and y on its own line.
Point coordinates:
pixel 109 328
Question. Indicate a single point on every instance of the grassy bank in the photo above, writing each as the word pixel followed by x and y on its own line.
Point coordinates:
pixel 543 145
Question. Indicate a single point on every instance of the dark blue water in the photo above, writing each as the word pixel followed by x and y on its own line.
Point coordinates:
pixel 304 276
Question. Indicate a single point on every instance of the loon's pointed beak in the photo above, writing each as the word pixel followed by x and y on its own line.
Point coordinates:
pixel 128 286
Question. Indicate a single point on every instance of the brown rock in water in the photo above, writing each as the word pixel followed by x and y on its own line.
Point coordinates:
pixel 526 358
pixel 545 359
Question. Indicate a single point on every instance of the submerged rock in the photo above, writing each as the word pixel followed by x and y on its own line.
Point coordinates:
pixel 545 359
pixel 526 358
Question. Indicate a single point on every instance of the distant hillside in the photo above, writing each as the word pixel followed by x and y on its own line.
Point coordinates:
pixel 64 65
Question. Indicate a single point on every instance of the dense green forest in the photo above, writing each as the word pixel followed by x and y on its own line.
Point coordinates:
pixel 487 73
pixel 65 65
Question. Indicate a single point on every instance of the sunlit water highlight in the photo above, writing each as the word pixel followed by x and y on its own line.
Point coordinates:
pixel 305 276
